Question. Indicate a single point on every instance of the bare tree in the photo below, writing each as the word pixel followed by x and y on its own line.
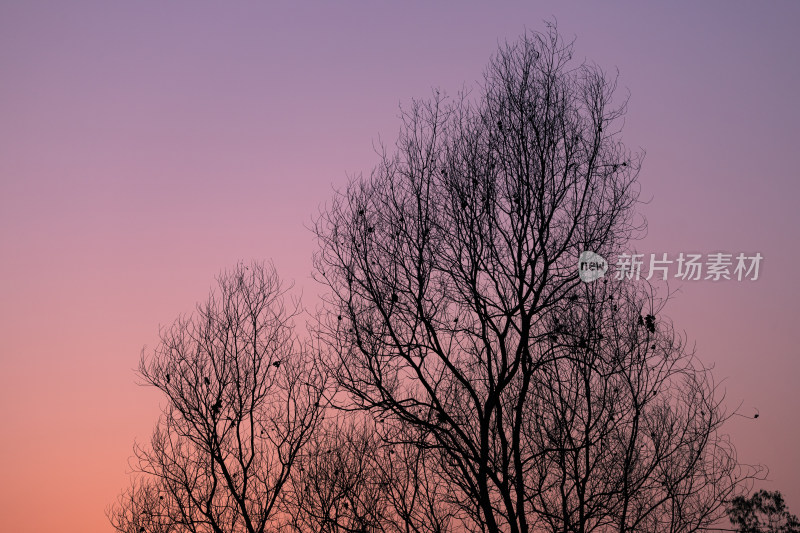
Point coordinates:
pixel 421 499
pixel 452 276
pixel 242 400
pixel 143 508
pixel 337 488
pixel 353 479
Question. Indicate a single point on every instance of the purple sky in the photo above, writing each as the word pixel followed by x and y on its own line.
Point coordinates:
pixel 145 146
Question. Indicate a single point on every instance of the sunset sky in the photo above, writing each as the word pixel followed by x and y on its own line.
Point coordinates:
pixel 145 146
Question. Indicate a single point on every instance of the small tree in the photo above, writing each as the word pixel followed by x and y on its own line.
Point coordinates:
pixel 350 479
pixel 763 512
pixel 242 400
pixel 337 487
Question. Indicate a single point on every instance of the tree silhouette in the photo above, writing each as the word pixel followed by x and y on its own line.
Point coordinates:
pixel 460 377
pixel 763 512
pixel 544 402
pixel 144 508
pixel 242 400
pixel 350 479
pixel 337 487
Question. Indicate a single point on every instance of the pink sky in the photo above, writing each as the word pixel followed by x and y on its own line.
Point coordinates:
pixel 145 146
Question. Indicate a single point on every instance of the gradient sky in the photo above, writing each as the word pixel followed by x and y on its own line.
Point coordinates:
pixel 145 146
